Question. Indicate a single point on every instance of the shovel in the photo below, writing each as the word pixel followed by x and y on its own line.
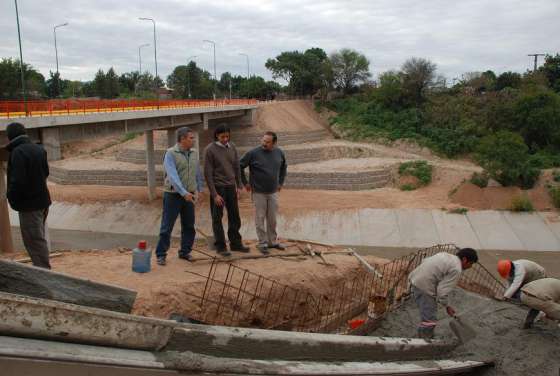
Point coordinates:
pixel 210 242
pixel 463 331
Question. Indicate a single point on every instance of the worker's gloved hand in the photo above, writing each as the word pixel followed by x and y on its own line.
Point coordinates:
pixel 450 311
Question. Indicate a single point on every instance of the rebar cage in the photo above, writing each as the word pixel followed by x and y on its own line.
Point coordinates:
pixel 234 296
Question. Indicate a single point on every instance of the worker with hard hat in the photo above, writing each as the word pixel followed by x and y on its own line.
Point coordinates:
pixel 433 280
pixel 518 273
pixel 542 295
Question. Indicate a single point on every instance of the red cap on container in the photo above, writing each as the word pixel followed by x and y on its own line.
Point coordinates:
pixel 142 244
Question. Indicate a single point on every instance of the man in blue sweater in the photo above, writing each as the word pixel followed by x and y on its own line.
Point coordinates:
pixel 183 182
pixel 267 169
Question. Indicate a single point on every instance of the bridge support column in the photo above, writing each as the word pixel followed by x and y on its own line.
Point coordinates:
pixel 50 138
pixel 151 166
pixel 171 137
pixel 205 121
pixel 6 243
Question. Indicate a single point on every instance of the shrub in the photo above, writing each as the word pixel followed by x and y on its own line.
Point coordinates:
pixel 554 193
pixel 480 179
pixel 459 211
pixel 407 187
pixel 505 156
pixel 422 170
pixel 521 204
pixel 556 175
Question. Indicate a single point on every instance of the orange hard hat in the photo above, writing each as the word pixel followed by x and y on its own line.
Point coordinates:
pixel 504 268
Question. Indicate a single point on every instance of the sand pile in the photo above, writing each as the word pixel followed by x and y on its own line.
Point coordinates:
pixel 516 351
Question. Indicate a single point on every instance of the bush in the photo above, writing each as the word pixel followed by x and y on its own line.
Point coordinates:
pixel 407 187
pixel 480 179
pixel 556 176
pixel 521 204
pixel 422 170
pixel 459 211
pixel 505 157
pixel 555 195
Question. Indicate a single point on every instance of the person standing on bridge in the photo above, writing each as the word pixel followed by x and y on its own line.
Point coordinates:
pixel 183 182
pixel 433 280
pixel 223 177
pixel 267 171
pixel 28 193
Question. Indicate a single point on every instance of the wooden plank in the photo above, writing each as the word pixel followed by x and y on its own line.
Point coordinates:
pixel 27 280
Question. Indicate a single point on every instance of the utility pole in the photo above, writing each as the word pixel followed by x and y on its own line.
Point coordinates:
pixel 21 61
pixel 247 57
pixel 536 57
pixel 155 45
pixel 140 57
pixel 189 74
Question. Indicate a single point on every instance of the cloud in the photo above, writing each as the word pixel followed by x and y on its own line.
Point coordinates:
pixel 471 35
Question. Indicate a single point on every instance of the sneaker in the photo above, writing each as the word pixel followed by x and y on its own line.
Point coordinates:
pixel 161 261
pixel 240 248
pixel 224 252
pixel 277 246
pixel 263 248
pixel 186 256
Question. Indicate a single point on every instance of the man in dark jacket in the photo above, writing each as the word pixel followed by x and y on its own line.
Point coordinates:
pixel 28 193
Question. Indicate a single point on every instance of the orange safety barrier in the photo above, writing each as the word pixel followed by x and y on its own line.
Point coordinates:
pixel 11 109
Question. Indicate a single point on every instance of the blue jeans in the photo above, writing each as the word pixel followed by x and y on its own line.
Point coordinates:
pixel 173 206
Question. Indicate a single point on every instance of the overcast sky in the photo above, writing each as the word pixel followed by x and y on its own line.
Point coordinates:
pixel 459 36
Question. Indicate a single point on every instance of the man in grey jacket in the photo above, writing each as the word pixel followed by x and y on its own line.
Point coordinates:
pixel 433 280
pixel 267 169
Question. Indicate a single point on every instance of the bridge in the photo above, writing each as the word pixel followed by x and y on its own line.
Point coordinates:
pixel 54 123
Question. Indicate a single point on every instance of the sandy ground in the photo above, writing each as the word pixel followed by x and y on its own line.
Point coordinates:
pixel 289 116
pixel 178 286
pixel 517 352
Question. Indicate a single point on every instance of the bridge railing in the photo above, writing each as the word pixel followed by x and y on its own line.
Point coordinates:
pixel 53 107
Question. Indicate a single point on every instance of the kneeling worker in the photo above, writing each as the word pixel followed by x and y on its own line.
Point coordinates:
pixel 433 280
pixel 518 274
pixel 541 295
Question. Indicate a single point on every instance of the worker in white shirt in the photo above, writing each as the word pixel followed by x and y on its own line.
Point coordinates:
pixel 433 280
pixel 542 295
pixel 518 273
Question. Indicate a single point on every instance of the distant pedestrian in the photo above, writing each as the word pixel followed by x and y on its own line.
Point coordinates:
pixel 27 193
pixel 183 182
pixel 267 171
pixel 433 280
pixel 518 273
pixel 223 177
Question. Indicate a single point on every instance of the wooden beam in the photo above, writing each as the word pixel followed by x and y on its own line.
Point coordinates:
pixel 21 279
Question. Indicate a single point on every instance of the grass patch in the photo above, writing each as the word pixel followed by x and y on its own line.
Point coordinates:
pixel 459 211
pixel 521 204
pixel 556 176
pixel 129 136
pixel 421 170
pixel 407 187
pixel 480 179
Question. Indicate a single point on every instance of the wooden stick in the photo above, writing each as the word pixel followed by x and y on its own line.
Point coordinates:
pixel 27 259
pixel 366 265
pixel 312 242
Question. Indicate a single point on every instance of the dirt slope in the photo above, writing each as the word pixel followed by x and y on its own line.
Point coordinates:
pixel 289 116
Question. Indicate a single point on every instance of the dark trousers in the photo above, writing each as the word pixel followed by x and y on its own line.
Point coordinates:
pixel 32 226
pixel 229 195
pixel 174 205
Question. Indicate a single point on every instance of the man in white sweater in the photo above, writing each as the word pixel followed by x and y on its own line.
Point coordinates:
pixel 518 273
pixel 433 280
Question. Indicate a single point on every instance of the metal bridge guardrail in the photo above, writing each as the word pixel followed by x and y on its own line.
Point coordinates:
pixel 54 107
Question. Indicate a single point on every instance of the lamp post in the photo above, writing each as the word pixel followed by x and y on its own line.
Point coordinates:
pixel 21 62
pixel 189 74
pixel 140 56
pixel 215 78
pixel 56 55
pixel 247 57
pixel 155 45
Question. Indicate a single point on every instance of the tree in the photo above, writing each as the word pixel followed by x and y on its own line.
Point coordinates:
pixel 129 81
pixel 390 90
pixel 349 69
pixel 508 79
pixel 551 69
pixel 537 119
pixel 10 80
pixel 190 78
pixel 418 76
pixel 55 86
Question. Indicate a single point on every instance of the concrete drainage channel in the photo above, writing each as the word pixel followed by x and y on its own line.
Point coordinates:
pixel 39 333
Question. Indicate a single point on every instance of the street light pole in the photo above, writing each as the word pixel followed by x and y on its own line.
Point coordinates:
pixel 155 45
pixel 247 57
pixel 21 61
pixel 189 74
pixel 56 54
pixel 215 78
pixel 140 56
